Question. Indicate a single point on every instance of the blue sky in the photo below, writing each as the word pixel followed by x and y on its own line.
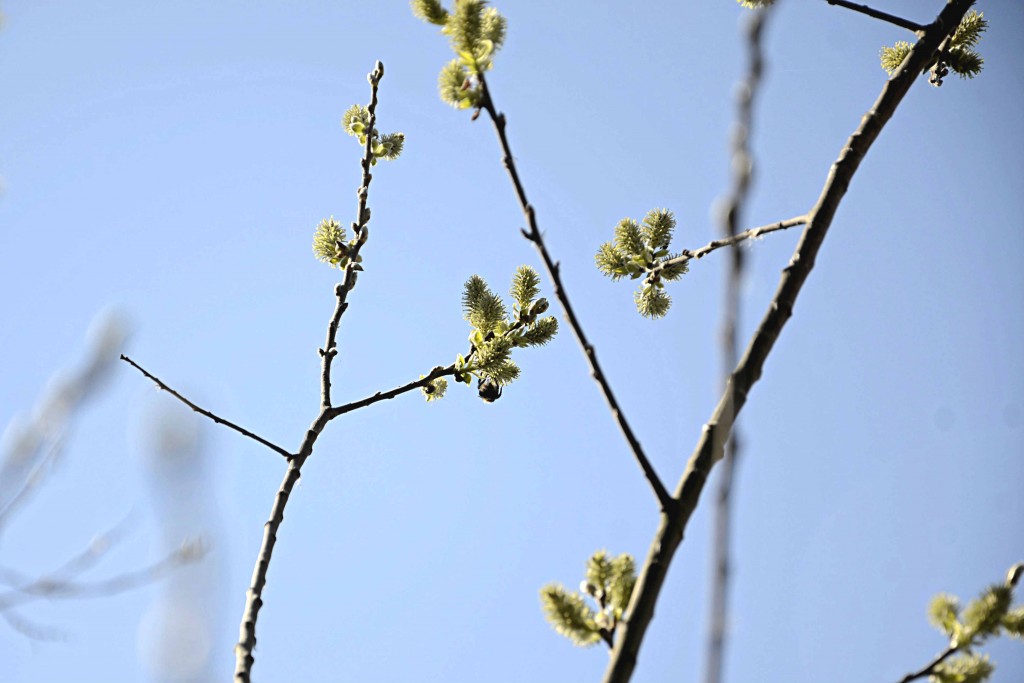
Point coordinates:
pixel 170 162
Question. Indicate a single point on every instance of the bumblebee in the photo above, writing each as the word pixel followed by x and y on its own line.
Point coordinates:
pixel 488 390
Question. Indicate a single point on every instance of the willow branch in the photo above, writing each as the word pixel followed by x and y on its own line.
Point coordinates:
pixel 387 395
pixel 254 595
pixel 341 290
pixel 202 411
pixel 930 668
pixel 876 14
pixel 748 370
pixel 534 235
pixel 687 255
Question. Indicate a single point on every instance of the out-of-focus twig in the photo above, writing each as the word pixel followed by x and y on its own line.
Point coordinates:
pixel 33 481
pixel 32 444
pixel 51 587
pixel 731 215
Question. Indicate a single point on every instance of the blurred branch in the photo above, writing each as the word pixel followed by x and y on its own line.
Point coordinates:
pixel 33 481
pixel 52 587
pixel 202 411
pixel 534 235
pixel 75 565
pixel 714 434
pixel 31 451
pixel 29 628
pixel 32 445
pixel 743 170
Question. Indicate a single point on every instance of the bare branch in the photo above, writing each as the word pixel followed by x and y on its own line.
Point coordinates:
pixel 30 629
pixel 254 599
pixel 753 233
pixel 254 595
pixel 884 16
pixel 33 481
pixel 534 235
pixel 387 395
pixel 743 170
pixel 34 446
pixel 748 371
pixel 51 587
pixel 930 668
pixel 341 290
pixel 203 411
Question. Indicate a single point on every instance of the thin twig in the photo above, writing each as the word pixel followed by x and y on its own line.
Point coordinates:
pixel 33 481
pixel 753 233
pixel 341 290
pixel 743 170
pixel 202 411
pixel 884 16
pixel 66 589
pixel 928 670
pixel 534 235
pixel 748 371
pixel 254 595
pixel 386 395
pixel 30 629
pixel 76 564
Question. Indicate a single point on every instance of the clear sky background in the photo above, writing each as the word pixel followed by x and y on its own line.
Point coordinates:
pixel 171 161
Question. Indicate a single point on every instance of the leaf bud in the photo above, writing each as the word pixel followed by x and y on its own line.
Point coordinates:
pixel 1013 576
pixel 539 306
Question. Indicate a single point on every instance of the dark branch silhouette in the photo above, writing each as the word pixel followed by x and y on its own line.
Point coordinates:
pixel 732 240
pixel 534 235
pixel 202 411
pixel 876 14
pixel 930 668
pixel 716 431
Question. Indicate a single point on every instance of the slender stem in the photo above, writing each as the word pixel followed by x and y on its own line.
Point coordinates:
pixel 341 290
pixel 254 595
pixel 33 481
pixel 386 395
pixel 928 670
pixel 714 245
pixel 534 235
pixel 202 411
pixel 742 163
pixel 748 371
pixel 884 16
pixel 68 589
